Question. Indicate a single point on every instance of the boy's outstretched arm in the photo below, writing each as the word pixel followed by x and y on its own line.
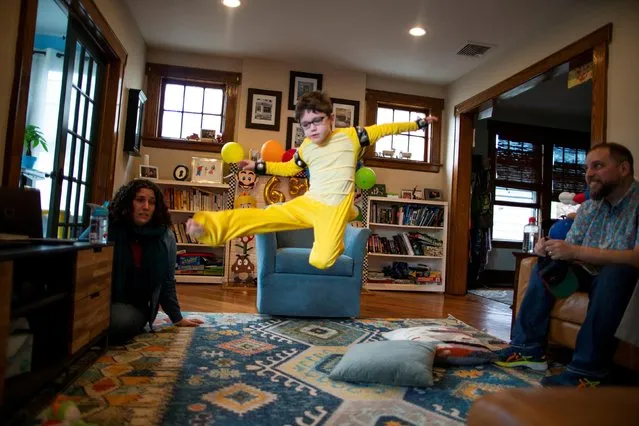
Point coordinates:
pixel 371 134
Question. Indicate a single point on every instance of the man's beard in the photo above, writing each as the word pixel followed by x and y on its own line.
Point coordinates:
pixel 604 190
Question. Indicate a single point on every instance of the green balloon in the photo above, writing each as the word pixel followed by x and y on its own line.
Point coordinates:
pixel 365 178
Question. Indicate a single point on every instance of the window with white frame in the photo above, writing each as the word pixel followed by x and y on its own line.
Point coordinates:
pixel 188 107
pixel 407 145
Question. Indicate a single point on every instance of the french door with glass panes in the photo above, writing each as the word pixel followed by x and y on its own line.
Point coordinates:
pixel 77 145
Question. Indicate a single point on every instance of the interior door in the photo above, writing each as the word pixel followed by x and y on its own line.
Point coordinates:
pixel 75 155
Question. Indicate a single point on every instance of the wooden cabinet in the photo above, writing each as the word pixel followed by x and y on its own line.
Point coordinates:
pixel 64 292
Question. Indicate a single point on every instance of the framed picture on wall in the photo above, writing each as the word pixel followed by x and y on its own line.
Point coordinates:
pixel 300 83
pixel 263 109
pixel 294 134
pixel 346 112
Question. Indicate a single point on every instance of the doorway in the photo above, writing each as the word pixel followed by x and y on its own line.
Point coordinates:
pixel 595 45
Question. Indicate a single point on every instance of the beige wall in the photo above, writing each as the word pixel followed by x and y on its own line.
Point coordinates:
pixel 119 17
pixel 8 41
pixel 623 85
pixel 274 75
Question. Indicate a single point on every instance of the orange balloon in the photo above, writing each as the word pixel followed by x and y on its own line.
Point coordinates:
pixel 272 151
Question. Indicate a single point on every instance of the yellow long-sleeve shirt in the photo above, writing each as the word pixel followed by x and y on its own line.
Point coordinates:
pixel 332 165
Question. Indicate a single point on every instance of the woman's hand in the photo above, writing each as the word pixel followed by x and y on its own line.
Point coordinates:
pixel 186 322
pixel 246 165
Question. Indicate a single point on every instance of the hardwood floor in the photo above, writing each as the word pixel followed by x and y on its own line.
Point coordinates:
pixel 487 315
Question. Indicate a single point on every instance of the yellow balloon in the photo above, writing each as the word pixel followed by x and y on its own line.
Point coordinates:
pixel 232 152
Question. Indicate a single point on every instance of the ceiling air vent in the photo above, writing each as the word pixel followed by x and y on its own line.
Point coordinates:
pixel 474 50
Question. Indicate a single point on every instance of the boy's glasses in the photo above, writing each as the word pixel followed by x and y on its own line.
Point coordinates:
pixel 317 121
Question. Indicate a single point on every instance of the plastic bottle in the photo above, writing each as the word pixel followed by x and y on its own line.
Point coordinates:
pixel 531 235
pixel 99 233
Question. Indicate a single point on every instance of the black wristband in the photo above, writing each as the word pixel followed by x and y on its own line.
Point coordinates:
pixel 260 167
pixel 421 123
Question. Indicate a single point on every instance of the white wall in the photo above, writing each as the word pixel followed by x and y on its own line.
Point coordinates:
pixel 623 85
pixel 274 75
pixel 121 21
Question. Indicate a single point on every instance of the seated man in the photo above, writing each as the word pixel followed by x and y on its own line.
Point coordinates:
pixel 605 235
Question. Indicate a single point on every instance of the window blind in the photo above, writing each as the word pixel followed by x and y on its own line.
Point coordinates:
pixel 518 164
pixel 568 170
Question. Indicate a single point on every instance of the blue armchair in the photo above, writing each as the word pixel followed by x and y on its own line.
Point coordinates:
pixel 288 285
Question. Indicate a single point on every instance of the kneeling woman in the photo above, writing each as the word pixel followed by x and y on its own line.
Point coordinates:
pixel 144 261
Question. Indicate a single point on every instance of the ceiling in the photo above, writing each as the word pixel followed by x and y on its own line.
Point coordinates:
pixel 364 35
pixel 554 97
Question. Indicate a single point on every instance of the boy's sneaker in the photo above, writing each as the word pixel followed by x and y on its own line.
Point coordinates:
pixel 512 357
pixel 566 378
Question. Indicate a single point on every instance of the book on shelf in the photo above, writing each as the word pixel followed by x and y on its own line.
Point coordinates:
pixel 192 199
pixel 407 244
pixel 181 236
pixel 408 215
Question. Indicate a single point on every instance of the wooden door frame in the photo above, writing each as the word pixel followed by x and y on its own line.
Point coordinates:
pixel 87 13
pixel 597 42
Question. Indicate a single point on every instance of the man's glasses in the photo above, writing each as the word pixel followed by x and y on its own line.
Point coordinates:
pixel 316 121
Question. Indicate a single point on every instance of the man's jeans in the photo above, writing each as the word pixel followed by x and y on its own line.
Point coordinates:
pixel 609 294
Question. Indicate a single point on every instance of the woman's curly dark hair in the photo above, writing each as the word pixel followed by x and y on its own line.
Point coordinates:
pixel 122 205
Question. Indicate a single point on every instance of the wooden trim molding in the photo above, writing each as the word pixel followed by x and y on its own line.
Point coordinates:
pixel 599 117
pixel 167 143
pixel 19 94
pixel 601 36
pixel 596 43
pixel 156 73
pixel 401 100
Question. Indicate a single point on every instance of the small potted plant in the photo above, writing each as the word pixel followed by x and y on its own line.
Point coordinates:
pixel 33 137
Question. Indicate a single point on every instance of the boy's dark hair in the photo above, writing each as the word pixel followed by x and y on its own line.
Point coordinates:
pixel 121 207
pixel 313 101
pixel 619 152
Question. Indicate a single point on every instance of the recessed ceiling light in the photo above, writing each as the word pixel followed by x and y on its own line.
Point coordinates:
pixel 417 31
pixel 231 3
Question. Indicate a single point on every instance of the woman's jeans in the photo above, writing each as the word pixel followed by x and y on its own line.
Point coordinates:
pixel 127 321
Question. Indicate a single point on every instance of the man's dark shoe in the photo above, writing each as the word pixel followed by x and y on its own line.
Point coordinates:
pixel 513 357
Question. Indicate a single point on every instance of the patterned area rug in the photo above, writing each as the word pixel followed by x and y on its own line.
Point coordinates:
pixel 243 369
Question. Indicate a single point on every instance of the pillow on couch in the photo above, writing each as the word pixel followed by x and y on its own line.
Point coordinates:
pixel 393 363
pixel 452 346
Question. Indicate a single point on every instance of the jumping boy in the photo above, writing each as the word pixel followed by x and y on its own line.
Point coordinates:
pixel 331 156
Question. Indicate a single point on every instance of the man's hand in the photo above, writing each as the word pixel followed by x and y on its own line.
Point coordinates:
pixel 246 165
pixel 184 322
pixel 540 249
pixel 561 250
pixel 194 229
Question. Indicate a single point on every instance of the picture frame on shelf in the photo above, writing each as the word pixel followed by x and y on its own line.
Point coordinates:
pixel 294 134
pixel 206 170
pixel 406 194
pixel 432 194
pixel 418 194
pixel 263 109
pixel 346 113
pixel 149 172
pixel 378 190
pixel 207 135
pixel 300 83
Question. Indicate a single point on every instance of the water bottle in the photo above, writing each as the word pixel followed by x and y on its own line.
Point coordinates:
pixel 99 233
pixel 531 235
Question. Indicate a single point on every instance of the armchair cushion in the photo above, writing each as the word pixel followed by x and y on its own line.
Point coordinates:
pixel 294 260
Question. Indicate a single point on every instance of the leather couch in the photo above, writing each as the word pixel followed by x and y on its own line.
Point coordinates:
pixel 557 406
pixel 561 406
pixel 567 316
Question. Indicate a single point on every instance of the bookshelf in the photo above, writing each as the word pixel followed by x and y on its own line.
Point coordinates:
pixel 184 199
pixel 413 232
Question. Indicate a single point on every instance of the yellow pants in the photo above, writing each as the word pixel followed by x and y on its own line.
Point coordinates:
pixel 329 223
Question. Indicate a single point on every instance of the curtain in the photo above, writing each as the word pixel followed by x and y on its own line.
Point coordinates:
pixel 45 90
